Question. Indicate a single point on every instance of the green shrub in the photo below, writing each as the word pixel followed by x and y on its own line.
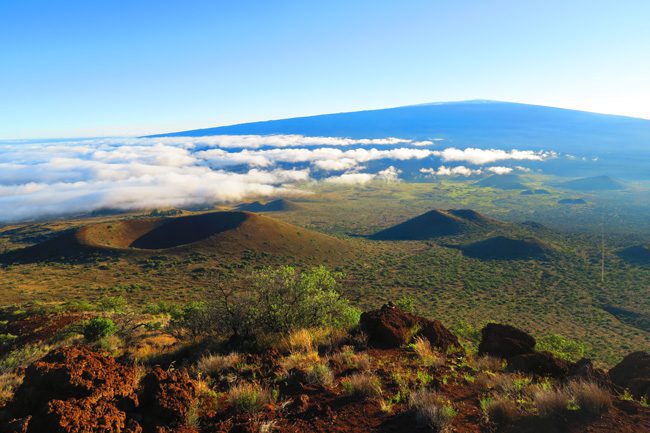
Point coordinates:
pixel 98 328
pixel 406 303
pixel 561 347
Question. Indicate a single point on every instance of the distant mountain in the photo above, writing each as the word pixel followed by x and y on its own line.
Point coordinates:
pixel 502 181
pixel 595 183
pixel 467 123
pixel 280 205
pixel 436 223
pixel 506 248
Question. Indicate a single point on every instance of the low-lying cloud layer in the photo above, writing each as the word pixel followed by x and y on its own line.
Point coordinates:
pixel 41 179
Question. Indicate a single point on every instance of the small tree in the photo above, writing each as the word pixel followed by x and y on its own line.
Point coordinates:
pixel 283 299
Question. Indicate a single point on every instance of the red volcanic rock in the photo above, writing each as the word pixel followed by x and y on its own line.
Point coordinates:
pixel 633 372
pixel 505 341
pixel 73 372
pixel 167 396
pixel 391 327
pixel 74 389
pixel 540 364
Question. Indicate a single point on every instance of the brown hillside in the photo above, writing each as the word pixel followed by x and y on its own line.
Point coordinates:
pixel 216 232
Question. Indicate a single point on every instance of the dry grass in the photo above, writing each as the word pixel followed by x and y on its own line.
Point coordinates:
pixel 8 384
pixel 215 364
pixel 346 359
pixel 248 397
pixel 591 397
pixel 151 346
pixel 301 340
pixel 487 363
pixel 500 410
pixel 320 374
pixel 432 410
pixel 303 361
pixel 426 353
pixel 362 385
pixel 551 403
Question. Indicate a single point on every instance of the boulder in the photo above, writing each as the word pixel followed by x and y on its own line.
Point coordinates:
pixel 633 372
pixel 391 327
pixel 505 341
pixel 539 364
pixel 167 396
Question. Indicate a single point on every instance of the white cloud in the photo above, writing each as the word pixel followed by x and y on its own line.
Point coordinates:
pixel 459 170
pixel 499 170
pixel 52 178
pixel 487 156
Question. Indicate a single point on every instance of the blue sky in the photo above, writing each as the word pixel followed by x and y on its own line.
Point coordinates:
pixel 96 68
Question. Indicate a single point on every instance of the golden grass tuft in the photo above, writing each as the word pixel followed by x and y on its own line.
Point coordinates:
pixel 590 397
pixel 248 397
pixel 551 403
pixel 215 364
pixel 500 410
pixel 362 385
pixel 432 409
pixel 426 353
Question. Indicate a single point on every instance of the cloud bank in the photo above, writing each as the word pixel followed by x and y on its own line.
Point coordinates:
pixel 44 179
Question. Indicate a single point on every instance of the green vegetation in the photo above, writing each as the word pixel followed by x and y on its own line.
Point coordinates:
pixel 98 328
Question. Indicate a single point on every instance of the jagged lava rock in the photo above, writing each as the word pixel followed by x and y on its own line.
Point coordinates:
pixel 390 327
pixel 167 396
pixel 505 341
pixel 74 389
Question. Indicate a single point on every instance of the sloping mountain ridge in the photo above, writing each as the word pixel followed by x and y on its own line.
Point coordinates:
pixel 465 123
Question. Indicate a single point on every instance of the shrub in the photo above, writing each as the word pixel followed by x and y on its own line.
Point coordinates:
pixel 550 403
pixel 7 339
pixel 248 397
pixel 281 300
pixel 362 385
pixel 590 397
pixel 431 409
pixel 215 364
pixel 561 347
pixel 98 328
pixel 499 410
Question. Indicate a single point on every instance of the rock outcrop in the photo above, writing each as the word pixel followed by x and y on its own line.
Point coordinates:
pixel 390 327
pixel 633 373
pixel 539 364
pixel 505 341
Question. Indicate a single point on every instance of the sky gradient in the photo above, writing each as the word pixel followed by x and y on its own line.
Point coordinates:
pixel 98 68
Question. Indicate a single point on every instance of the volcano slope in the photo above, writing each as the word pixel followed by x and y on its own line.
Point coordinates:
pixel 436 223
pixel 221 233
